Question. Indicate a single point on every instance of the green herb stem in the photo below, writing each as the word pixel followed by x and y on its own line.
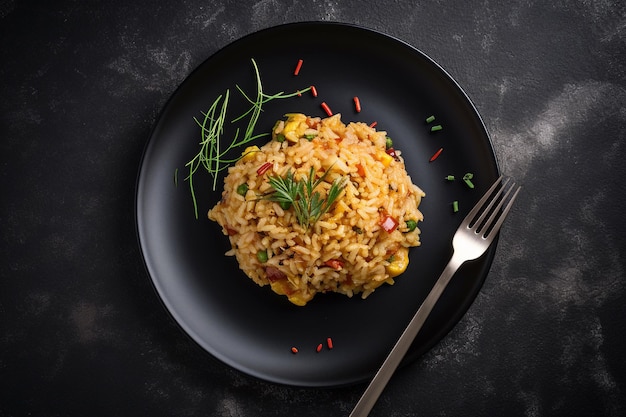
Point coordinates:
pixel 212 153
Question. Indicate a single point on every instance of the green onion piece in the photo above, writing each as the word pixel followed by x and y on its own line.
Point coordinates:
pixel 450 178
pixel 436 128
pixel 430 119
pixel 411 225
pixel 455 206
pixel 310 137
pixel 388 143
pixel 468 179
pixel 280 138
pixel 357 230
pixel 242 189
pixel 262 256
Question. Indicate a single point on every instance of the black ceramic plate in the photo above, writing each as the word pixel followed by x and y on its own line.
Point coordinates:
pixel 249 327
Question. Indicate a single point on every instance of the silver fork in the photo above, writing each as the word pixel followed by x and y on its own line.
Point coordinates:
pixel 471 240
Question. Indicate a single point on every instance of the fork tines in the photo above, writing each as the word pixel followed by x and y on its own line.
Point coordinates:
pixel 500 198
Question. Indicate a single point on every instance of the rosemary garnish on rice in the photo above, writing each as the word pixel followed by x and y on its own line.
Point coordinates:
pixel 300 194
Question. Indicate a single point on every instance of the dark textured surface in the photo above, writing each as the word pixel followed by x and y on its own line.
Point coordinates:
pixel 81 329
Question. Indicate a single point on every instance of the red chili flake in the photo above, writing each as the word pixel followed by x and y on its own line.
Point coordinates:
pixel 327 109
pixel 329 343
pixel 436 155
pixel 373 124
pixel 357 104
pixel 294 350
pixel 264 168
pixel 319 347
pixel 298 66
pixel 313 91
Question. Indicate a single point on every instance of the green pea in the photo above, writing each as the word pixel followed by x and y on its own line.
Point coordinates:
pixel 388 143
pixel 242 189
pixel 262 256
pixel 411 225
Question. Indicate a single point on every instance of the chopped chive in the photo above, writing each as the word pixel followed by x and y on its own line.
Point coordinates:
pixel 430 119
pixel 436 128
pixel 310 137
pixel 280 138
pixel 450 178
pixel 455 206
pixel 176 177
pixel 468 179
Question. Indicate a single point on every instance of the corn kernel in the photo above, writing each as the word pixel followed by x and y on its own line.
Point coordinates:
pixel 399 263
pixel 249 153
pixel 384 157
pixel 294 127
pixel 298 299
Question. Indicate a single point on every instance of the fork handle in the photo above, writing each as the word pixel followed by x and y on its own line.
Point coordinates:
pixel 378 383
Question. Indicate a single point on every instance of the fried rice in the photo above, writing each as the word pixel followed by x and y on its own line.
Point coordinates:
pixel 360 243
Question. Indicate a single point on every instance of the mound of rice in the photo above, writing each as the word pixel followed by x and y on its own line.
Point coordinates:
pixel 359 244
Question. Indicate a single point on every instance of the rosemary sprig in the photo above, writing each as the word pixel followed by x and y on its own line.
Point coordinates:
pixel 212 153
pixel 300 194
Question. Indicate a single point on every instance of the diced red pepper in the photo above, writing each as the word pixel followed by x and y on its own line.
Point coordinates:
pixel 389 224
pixel 230 231
pixel 391 152
pixel 336 264
pixel 264 168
